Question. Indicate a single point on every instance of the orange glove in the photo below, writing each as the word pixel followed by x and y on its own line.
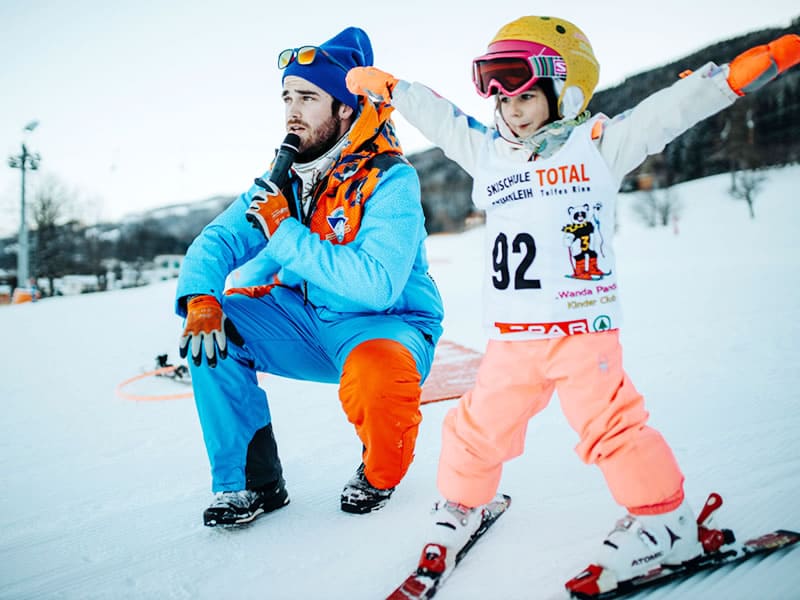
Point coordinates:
pixel 253 291
pixel 207 328
pixel 757 66
pixel 268 209
pixel 372 82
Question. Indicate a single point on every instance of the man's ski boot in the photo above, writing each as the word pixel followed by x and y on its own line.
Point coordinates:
pixel 244 506
pixel 359 496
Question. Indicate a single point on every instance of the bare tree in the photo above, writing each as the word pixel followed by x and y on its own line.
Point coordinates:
pixel 645 208
pixel 95 250
pixel 745 185
pixel 658 207
pixel 53 245
pixel 740 137
pixel 658 204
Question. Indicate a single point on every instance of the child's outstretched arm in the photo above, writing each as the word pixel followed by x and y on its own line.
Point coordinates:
pixel 457 134
pixel 645 129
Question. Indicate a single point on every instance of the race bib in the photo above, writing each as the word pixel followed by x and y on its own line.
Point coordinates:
pixel 548 250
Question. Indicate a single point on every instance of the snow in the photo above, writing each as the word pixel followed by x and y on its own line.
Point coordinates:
pixel 102 496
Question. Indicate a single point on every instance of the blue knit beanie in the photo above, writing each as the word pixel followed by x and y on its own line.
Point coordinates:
pixel 351 48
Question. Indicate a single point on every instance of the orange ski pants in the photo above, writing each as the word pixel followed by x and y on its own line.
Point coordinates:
pixel 380 393
pixel 516 380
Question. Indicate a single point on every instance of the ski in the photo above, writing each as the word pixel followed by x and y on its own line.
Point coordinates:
pixel 721 549
pixel 431 572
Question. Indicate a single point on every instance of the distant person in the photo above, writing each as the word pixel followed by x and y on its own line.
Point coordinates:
pixel 35 292
pixel 29 293
pixel 335 289
pixel 547 174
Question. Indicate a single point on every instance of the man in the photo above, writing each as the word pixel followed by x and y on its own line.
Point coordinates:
pixel 335 283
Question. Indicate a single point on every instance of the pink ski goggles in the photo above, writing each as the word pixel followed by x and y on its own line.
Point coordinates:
pixel 512 67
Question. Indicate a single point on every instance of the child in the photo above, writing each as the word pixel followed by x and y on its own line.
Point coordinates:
pixel 547 175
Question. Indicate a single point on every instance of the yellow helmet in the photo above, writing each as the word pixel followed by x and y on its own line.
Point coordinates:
pixel 567 40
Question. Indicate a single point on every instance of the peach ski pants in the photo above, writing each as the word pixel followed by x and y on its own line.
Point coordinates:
pixel 516 380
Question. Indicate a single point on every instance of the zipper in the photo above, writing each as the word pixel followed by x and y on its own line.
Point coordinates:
pixel 306 217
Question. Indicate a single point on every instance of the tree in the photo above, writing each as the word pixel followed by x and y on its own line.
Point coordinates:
pixel 746 185
pixel 145 240
pixel 54 241
pixel 658 207
pixel 659 203
pixel 744 154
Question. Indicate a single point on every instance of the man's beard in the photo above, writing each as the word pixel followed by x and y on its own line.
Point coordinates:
pixel 322 140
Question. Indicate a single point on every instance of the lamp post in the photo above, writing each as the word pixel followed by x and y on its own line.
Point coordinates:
pixel 24 161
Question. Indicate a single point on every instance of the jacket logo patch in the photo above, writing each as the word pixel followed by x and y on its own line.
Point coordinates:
pixel 337 221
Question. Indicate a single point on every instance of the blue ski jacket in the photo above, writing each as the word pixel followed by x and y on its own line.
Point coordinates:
pixel 382 269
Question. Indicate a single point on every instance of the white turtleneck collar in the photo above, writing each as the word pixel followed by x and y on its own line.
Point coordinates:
pixel 311 172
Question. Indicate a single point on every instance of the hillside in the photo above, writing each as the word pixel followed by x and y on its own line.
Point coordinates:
pixel 760 130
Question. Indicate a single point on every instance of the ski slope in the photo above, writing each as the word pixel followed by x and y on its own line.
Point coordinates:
pixel 102 497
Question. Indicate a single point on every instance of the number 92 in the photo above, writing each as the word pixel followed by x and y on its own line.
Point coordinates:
pixel 523 244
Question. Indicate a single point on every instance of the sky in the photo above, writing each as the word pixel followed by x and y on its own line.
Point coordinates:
pixel 149 103
pixel 102 496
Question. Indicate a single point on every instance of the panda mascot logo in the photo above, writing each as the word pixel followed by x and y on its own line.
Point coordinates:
pixel 583 238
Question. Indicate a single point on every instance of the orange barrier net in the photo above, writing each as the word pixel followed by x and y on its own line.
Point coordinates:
pixel 453 372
